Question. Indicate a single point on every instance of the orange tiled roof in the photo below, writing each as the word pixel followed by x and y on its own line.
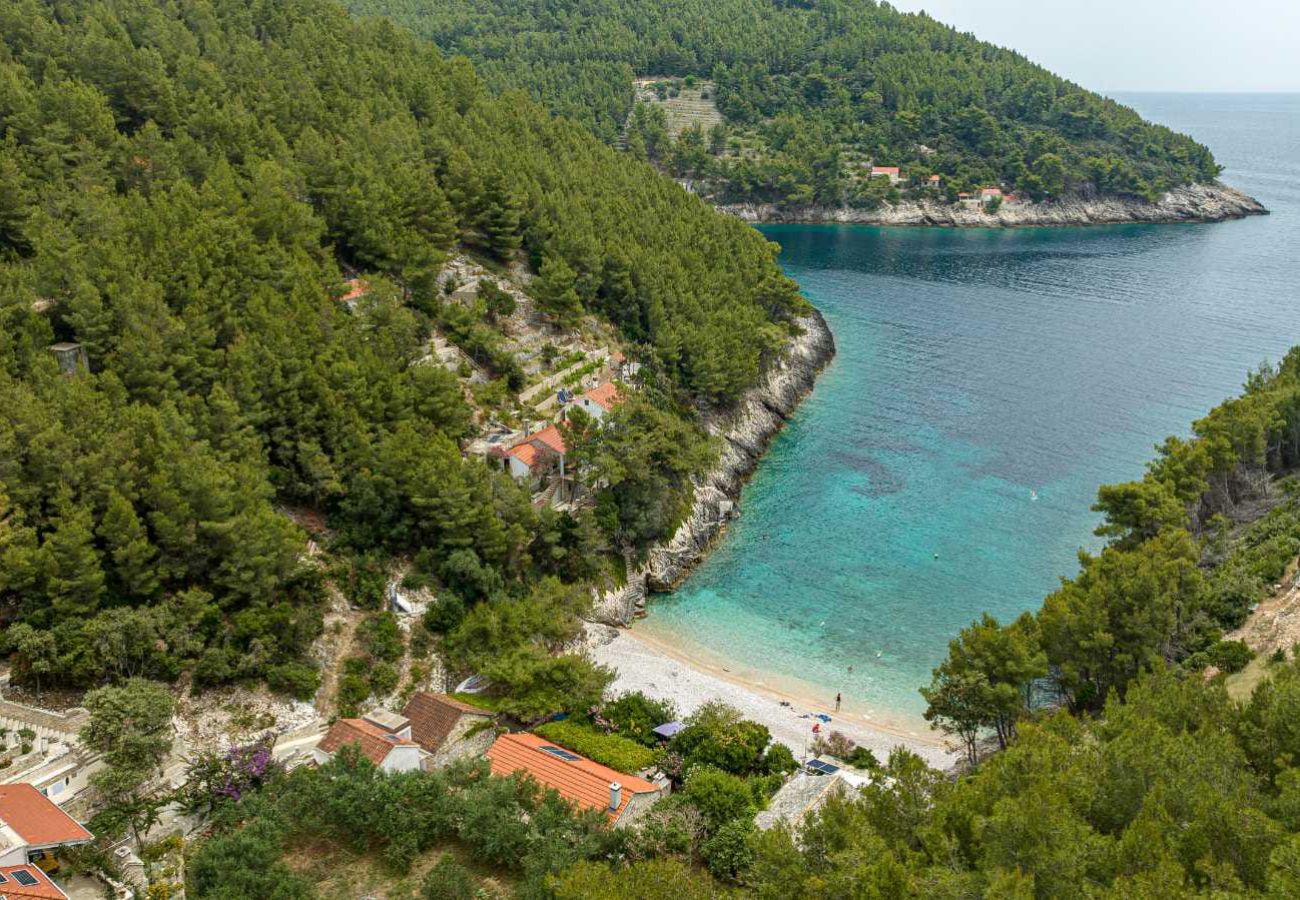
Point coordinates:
pixel 38 820
pixel 356 288
pixel 526 452
pixel 551 437
pixel 433 716
pixel 12 885
pixel 605 396
pixel 374 742
pixel 580 781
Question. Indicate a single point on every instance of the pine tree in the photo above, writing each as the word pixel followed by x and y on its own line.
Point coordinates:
pixel 128 546
pixel 73 576
pixel 502 214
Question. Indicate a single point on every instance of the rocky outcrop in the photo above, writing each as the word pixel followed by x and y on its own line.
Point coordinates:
pixel 745 432
pixel 1191 203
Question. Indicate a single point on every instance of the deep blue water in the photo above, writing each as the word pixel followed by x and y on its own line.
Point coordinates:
pixel 976 367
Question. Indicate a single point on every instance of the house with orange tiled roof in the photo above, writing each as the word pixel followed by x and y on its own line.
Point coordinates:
pixel 599 400
pixel 382 737
pixel 447 729
pixel 28 883
pixel 356 289
pixel 33 827
pixel 587 785
pixel 890 172
pixel 537 454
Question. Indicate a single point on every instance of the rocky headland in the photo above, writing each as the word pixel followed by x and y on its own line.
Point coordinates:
pixel 745 432
pixel 1191 203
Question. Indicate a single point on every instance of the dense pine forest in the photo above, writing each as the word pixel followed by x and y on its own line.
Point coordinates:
pixel 184 187
pixel 810 93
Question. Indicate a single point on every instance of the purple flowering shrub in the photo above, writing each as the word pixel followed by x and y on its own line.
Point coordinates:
pixel 219 777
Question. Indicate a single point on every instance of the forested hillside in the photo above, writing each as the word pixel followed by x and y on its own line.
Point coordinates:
pixel 184 187
pixel 811 93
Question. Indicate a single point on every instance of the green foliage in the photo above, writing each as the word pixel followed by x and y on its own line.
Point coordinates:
pixel 718 737
pixel 644 457
pixel 611 750
pixel 719 796
pixel 635 716
pixel 186 188
pixel 1226 656
pixel 729 853
pixel 448 880
pixel 655 879
pixel 513 642
pixel 817 88
pixel 380 636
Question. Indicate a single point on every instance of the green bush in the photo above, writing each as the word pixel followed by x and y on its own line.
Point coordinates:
pixel 636 716
pixel 729 853
pixel 718 736
pixel 779 759
pixel 298 680
pixel 719 796
pixel 1226 656
pixel 607 749
pixel 449 880
pixel 381 637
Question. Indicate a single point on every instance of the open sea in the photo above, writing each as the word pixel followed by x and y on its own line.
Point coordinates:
pixel 987 382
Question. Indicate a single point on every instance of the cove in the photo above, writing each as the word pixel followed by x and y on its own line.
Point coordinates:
pixel 987 382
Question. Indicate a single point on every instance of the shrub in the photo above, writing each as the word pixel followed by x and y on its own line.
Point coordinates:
pixel 654 878
pixel 383 679
pixel 381 637
pixel 635 716
pixel 607 749
pixel 717 736
pixel 449 880
pixel 719 796
pixel 445 614
pixel 729 853
pixel 779 759
pixel 298 680
pixel 1226 656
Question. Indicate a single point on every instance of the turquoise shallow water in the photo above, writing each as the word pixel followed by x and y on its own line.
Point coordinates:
pixel 975 368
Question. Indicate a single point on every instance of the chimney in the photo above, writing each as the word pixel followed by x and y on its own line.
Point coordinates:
pixel 615 795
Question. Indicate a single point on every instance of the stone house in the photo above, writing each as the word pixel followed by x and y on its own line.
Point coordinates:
pixel 448 730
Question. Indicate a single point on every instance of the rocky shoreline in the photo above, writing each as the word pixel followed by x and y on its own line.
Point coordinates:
pixel 1191 203
pixel 746 431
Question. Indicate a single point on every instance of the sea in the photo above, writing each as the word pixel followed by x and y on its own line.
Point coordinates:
pixel 987 382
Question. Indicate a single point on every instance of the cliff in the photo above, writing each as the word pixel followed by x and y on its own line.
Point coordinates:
pixel 745 433
pixel 1192 203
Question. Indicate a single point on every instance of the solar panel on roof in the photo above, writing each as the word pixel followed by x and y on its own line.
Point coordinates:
pixel 562 754
pixel 822 768
pixel 3 879
pixel 25 878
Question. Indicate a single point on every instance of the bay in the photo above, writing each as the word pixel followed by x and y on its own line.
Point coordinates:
pixel 987 382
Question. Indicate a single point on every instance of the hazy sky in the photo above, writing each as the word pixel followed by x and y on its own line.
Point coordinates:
pixel 1142 45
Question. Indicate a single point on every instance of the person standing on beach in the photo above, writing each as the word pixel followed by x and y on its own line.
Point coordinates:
pixel 837 702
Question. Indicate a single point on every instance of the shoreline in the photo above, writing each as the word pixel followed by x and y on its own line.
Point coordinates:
pixel 1197 203
pixel 667 672
pixel 745 432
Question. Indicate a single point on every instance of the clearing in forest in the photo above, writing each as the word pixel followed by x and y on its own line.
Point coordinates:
pixel 684 106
